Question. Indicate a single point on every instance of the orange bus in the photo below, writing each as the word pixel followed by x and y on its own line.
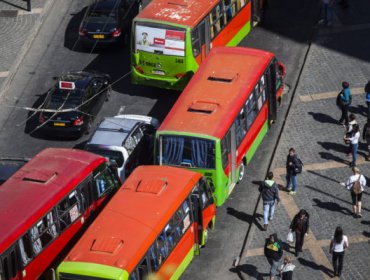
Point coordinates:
pixel 46 204
pixel 221 117
pixel 154 224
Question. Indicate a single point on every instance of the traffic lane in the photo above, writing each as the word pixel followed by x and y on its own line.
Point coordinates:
pixel 48 57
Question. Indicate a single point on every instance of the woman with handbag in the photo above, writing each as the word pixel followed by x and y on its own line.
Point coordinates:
pixel 355 136
pixel 300 225
pixel 338 244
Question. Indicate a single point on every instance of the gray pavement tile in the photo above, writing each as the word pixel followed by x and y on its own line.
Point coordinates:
pixel 20 4
pixel 356 261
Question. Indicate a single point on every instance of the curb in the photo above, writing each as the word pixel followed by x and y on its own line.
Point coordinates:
pixel 26 46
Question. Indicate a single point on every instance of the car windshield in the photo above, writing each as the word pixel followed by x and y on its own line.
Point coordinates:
pixel 187 151
pixel 64 99
pixel 101 16
pixel 109 154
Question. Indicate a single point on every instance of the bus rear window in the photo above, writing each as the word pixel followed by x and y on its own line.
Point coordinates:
pixel 188 152
pixel 160 40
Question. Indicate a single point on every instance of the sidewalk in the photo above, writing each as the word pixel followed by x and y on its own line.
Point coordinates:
pixel 18 28
pixel 337 54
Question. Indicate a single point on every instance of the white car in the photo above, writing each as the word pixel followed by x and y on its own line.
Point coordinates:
pixel 126 140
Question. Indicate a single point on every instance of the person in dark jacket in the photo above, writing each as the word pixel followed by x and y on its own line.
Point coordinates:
pixel 366 137
pixel 270 193
pixel 300 226
pixel 367 98
pixel 292 163
pixel 273 253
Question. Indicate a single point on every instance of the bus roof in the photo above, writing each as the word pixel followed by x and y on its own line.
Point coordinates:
pixel 143 206
pixel 183 12
pixel 212 99
pixel 38 186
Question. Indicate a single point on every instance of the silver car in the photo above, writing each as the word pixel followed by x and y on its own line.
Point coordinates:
pixel 126 140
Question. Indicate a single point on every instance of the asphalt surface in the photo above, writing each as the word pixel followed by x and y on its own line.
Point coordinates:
pixel 317 60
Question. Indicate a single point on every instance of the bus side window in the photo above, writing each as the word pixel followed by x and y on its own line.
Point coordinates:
pixel 196 41
pixel 240 127
pixel 230 9
pixel 69 209
pixel 205 195
pixel 250 110
pixel 143 269
pixel 85 192
pixel 25 249
pixel 153 258
pixel 105 182
pixel 9 265
pixel 225 150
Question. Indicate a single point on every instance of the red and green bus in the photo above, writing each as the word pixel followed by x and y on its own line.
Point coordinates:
pixel 45 205
pixel 171 38
pixel 154 225
pixel 222 116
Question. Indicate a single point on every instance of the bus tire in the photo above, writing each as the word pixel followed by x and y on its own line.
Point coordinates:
pixel 241 172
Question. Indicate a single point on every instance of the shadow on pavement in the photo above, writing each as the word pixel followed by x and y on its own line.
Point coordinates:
pixel 333 146
pixel 330 156
pixel 323 118
pixel 248 269
pixel 323 176
pixel 358 110
pixel 315 266
pixel 71 34
pixel 245 217
pixel 331 206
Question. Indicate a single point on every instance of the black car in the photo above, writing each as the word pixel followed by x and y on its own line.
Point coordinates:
pixel 8 166
pixel 71 105
pixel 108 21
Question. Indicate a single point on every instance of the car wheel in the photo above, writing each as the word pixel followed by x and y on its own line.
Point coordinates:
pixel 241 172
pixel 89 125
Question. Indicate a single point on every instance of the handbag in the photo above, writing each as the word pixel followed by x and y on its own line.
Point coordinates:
pixel 289 237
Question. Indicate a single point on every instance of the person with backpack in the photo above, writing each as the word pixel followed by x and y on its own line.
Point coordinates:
pixel 273 252
pixel 270 193
pixel 300 225
pixel 355 136
pixel 293 167
pixel 356 184
pixel 366 137
pixel 345 99
pixel 338 244
pixel 367 96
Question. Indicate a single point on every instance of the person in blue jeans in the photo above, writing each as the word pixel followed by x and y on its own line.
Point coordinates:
pixel 328 12
pixel 270 194
pixel 345 100
pixel 273 252
pixel 367 96
pixel 292 163
pixel 354 143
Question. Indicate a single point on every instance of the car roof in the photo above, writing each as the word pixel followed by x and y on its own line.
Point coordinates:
pixel 113 131
pixel 105 4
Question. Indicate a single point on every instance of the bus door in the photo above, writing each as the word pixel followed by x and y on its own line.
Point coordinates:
pixel 271 92
pixel 9 264
pixel 198 219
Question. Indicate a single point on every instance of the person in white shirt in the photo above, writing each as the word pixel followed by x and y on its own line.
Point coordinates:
pixel 356 198
pixel 354 143
pixel 338 244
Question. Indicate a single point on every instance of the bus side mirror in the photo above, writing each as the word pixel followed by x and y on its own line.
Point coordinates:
pixel 281 69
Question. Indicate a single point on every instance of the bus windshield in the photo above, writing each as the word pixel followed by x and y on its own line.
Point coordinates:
pixel 160 40
pixel 187 151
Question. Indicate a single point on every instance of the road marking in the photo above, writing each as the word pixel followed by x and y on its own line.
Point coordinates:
pixel 33 11
pixel 322 243
pixel 121 110
pixel 4 74
pixel 327 95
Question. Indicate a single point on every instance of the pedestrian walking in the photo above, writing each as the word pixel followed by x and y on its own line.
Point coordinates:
pixel 366 137
pixel 345 100
pixel 349 129
pixel 327 8
pixel 356 184
pixel 273 252
pixel 339 243
pixel 300 225
pixel 355 136
pixel 286 269
pixel 367 96
pixel 270 195
pixel 293 167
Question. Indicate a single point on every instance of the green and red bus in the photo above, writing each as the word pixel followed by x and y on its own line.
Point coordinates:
pixel 154 225
pixel 222 116
pixel 171 38
pixel 44 207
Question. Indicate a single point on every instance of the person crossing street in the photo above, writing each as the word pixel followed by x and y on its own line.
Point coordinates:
pixel 270 197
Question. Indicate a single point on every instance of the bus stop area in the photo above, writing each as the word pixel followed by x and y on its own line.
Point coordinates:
pixel 336 54
pixel 318 59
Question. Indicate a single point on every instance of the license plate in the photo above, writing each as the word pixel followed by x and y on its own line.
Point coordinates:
pixel 158 72
pixel 98 36
pixel 59 124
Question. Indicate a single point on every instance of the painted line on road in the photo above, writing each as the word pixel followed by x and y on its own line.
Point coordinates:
pixel 4 74
pixel 33 11
pixel 322 243
pixel 328 95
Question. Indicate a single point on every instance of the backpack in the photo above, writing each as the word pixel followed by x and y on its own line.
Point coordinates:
pixel 356 187
pixel 298 166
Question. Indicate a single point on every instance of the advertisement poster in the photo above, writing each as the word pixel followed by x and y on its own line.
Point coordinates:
pixel 162 41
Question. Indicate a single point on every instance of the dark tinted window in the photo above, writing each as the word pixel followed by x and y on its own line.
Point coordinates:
pixel 101 16
pixel 64 99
